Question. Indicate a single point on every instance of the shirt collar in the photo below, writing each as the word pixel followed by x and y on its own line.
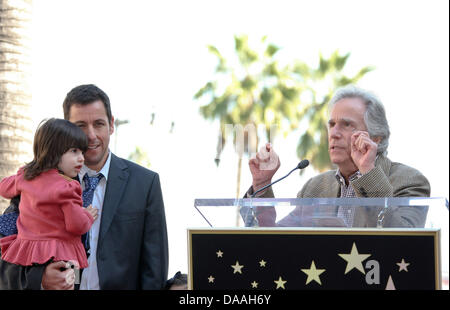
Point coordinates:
pixel 90 172
pixel 353 177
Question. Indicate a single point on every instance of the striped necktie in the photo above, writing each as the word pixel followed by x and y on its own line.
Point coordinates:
pixel 90 183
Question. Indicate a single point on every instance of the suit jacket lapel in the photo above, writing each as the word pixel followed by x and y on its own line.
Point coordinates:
pixel 117 181
pixel 330 188
pixel 335 188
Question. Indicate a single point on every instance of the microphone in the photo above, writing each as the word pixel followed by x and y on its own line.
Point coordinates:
pixel 301 165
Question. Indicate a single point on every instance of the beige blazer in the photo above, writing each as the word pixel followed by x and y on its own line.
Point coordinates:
pixel 387 179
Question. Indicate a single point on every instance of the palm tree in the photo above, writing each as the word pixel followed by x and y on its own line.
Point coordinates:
pixel 256 91
pixel 15 94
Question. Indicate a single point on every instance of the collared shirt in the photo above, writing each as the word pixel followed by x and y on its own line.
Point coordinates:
pixel 347 191
pixel 89 277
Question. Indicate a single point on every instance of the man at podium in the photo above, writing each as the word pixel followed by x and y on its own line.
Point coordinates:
pixel 358 138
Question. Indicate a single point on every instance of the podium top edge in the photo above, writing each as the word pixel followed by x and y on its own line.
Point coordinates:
pixel 405 201
pixel 311 230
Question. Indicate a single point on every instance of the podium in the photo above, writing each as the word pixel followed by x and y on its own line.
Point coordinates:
pixel 319 243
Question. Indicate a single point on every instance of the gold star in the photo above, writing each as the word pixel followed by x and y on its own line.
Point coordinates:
pixel 403 265
pixel 262 263
pixel 354 260
pixel 211 279
pixel 237 267
pixel 254 284
pixel 219 253
pixel 280 283
pixel 313 273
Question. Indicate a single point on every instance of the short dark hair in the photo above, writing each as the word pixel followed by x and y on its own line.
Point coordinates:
pixel 53 138
pixel 86 94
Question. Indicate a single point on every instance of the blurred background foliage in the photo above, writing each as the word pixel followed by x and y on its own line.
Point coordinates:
pixel 140 157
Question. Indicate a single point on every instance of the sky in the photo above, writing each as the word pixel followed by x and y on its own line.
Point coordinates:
pixel 152 57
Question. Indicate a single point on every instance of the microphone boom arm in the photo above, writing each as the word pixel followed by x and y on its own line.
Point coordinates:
pixel 303 164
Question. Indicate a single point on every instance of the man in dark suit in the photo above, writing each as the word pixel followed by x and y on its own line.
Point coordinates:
pixel 128 244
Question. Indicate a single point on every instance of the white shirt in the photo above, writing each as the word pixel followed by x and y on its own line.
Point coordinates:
pixel 89 277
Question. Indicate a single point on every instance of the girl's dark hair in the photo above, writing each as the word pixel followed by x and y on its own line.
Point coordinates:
pixel 53 138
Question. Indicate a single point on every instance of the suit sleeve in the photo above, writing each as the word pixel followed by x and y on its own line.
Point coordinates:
pixel 268 193
pixel 375 183
pixel 408 183
pixel 403 181
pixel 155 254
pixel 15 277
pixel 266 216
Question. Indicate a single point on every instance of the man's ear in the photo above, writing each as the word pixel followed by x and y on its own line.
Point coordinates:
pixel 377 140
pixel 111 126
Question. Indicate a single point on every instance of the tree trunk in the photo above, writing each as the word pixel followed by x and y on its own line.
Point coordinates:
pixel 238 188
pixel 15 92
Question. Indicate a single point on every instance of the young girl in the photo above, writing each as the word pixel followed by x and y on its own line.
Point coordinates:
pixel 52 219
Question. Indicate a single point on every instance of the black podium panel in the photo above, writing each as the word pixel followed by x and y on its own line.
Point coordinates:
pixel 271 259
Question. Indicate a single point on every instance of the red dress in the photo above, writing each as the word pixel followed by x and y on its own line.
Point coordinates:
pixel 51 220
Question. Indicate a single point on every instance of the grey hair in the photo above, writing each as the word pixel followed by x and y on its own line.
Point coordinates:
pixel 374 117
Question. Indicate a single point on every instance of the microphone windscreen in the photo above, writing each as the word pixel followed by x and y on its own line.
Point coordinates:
pixel 303 164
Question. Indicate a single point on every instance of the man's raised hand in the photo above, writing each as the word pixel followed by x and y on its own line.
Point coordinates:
pixel 263 166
